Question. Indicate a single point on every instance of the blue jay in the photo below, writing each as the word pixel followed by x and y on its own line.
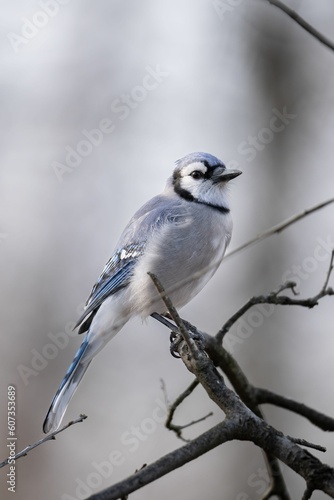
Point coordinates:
pixel 183 231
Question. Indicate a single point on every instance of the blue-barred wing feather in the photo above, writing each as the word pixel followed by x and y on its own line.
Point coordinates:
pixel 115 276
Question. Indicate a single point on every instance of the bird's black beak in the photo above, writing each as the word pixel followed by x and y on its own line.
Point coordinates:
pixel 226 175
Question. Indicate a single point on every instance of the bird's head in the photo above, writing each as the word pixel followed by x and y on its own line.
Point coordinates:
pixel 202 177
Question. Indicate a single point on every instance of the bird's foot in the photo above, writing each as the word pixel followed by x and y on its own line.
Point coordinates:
pixel 176 340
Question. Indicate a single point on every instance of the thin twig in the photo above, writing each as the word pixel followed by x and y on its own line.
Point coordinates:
pixel 280 227
pixel 197 421
pixel 275 298
pixel 179 428
pixel 49 437
pixel 250 303
pixel 164 391
pixel 303 442
pixel 172 408
pixel 329 272
pixel 304 24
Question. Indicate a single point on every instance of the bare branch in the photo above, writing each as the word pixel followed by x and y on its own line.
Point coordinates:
pixel 49 437
pixel 303 442
pixel 252 428
pixel 263 396
pixel 172 408
pixel 304 24
pixel 255 396
pixel 221 433
pixel 280 227
pixel 179 428
pixel 275 298
pixel 329 272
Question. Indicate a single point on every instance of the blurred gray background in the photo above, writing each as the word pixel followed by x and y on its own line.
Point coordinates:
pixel 161 80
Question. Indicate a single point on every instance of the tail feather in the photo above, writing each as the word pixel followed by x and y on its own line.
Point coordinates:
pixel 67 389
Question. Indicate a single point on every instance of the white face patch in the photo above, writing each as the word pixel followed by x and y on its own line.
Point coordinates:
pixel 200 188
pixel 197 165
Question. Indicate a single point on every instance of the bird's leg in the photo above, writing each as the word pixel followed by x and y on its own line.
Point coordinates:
pixel 163 319
pixel 175 336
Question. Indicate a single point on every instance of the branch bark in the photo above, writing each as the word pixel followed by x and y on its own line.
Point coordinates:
pixel 49 437
pixel 304 24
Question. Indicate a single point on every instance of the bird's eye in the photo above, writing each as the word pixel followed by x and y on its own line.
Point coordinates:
pixel 197 174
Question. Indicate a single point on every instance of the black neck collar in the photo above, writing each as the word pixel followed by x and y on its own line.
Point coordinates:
pixel 189 197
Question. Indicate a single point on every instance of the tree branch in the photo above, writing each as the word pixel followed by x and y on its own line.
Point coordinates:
pixel 304 24
pixel 252 428
pixel 275 298
pixel 49 437
pixel 172 408
pixel 278 228
pixel 303 442
pixel 263 396
pixel 221 433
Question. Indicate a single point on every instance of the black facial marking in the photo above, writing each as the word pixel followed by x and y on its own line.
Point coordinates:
pixel 183 193
pixel 210 169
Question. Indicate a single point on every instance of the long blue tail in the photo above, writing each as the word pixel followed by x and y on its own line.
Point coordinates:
pixel 66 389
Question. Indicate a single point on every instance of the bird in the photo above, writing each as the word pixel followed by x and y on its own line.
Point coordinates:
pixel 180 236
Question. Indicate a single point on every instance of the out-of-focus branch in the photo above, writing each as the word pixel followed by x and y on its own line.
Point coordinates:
pixel 49 437
pixel 280 227
pixel 172 408
pixel 304 24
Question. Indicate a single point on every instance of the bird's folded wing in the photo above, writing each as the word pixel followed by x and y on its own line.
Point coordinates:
pixel 119 269
pixel 115 276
